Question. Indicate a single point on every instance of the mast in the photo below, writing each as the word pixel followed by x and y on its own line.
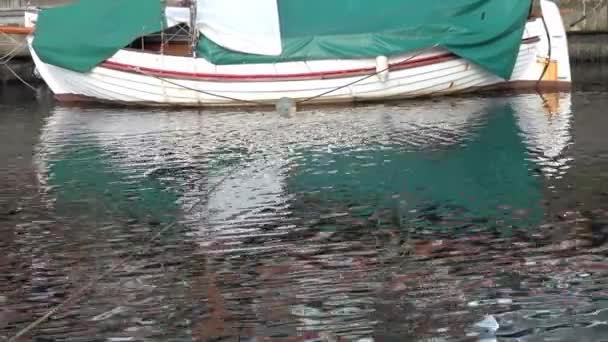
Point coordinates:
pixel 193 28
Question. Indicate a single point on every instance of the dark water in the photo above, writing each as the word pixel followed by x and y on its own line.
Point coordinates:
pixel 400 222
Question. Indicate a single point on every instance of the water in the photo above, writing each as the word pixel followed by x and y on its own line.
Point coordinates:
pixel 398 222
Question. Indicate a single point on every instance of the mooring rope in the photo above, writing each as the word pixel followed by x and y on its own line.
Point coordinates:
pixel 11 54
pixel 4 61
pixel 365 77
pixel 549 54
pixel 20 78
pixel 259 103
pixel 81 291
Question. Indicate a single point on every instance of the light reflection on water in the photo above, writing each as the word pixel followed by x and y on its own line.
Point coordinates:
pixel 395 222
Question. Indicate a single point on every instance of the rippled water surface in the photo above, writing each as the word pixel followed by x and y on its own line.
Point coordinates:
pixel 400 222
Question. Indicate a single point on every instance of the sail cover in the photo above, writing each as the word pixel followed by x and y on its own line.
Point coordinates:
pixel 486 32
pixel 83 34
pixel 247 26
pixel 235 24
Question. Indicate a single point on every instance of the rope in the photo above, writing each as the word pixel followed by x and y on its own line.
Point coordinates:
pixel 260 103
pixel 11 54
pixel 78 294
pixel 4 60
pixel 366 77
pixel 20 79
pixel 344 86
pixel 549 53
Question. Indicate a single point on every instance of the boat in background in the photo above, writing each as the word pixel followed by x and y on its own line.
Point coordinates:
pixel 13 34
pixel 176 74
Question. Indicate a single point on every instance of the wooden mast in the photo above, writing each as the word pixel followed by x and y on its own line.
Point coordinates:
pixel 193 27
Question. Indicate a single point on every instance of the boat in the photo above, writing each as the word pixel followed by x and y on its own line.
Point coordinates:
pixel 13 34
pixel 365 52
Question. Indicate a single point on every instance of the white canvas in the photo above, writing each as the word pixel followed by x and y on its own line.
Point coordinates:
pixel 240 25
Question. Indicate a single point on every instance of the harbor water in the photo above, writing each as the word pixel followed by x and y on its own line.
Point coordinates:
pixel 406 221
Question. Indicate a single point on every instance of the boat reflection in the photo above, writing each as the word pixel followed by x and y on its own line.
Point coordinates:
pixel 313 225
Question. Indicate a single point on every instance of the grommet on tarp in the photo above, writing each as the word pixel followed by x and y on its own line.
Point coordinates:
pixel 286 106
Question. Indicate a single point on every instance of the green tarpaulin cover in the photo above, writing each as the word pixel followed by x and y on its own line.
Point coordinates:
pixel 486 32
pixel 81 35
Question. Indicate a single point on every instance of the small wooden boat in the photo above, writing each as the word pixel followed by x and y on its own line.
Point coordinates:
pixel 180 73
pixel 13 34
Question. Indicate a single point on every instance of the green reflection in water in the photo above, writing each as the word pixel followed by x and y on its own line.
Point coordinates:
pixel 487 181
pixel 90 181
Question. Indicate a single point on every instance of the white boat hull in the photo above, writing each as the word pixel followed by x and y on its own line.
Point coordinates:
pixel 136 77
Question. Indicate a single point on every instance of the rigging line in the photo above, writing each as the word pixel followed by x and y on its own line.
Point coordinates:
pixel 78 294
